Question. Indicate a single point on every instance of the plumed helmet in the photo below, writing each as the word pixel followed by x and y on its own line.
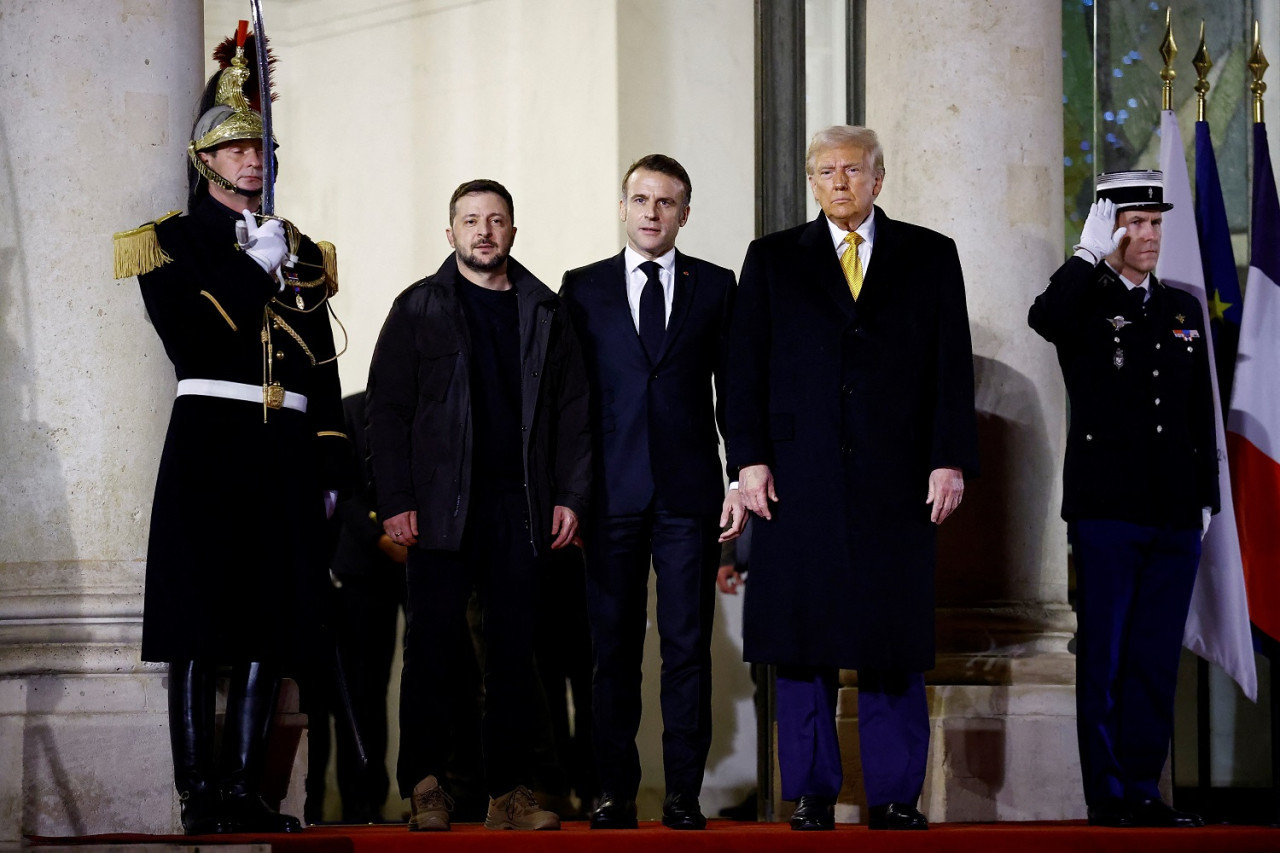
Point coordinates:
pixel 229 108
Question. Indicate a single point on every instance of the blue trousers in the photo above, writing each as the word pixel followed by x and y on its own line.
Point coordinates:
pixel 893 733
pixel 1133 586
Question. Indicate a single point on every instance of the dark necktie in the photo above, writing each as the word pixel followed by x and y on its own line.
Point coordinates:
pixel 653 312
pixel 1137 300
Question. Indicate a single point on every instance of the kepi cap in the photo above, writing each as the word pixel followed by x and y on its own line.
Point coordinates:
pixel 1135 188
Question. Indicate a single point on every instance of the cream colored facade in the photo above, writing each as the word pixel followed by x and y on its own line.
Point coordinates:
pixel 384 109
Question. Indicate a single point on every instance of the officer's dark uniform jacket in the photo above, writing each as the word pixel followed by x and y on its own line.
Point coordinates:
pixel 236 548
pixel 1142 445
pixel 419 408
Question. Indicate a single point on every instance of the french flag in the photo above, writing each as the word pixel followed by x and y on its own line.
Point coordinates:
pixel 1253 424
pixel 1218 622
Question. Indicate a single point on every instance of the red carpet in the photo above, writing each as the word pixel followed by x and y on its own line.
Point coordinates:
pixel 1066 837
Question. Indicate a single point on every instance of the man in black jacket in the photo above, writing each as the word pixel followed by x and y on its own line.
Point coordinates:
pixel 477 405
pixel 1141 477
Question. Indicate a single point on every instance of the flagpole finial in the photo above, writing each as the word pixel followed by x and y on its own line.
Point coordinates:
pixel 1202 63
pixel 1257 67
pixel 1168 50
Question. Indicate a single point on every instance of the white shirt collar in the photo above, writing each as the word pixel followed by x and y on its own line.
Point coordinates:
pixel 633 259
pixel 867 229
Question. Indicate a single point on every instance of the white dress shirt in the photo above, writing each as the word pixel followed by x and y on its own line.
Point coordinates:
pixel 636 280
pixel 868 231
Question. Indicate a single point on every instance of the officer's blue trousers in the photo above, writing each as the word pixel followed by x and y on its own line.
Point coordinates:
pixel 1133 585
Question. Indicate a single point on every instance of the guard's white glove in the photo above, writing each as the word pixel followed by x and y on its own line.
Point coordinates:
pixel 265 243
pixel 1097 239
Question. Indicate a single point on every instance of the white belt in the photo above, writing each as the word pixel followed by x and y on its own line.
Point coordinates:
pixel 240 391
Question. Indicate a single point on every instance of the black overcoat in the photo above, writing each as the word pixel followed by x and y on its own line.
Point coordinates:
pixel 851 405
pixel 237 557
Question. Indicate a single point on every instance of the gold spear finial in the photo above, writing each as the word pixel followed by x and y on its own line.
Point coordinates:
pixel 1168 50
pixel 1202 63
pixel 1257 67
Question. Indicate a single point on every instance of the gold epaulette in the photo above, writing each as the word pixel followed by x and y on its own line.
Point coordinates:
pixel 330 255
pixel 138 251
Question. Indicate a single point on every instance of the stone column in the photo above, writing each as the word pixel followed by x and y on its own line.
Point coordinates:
pixel 95 109
pixel 967 98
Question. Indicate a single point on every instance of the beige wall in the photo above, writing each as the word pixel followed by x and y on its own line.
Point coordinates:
pixel 385 108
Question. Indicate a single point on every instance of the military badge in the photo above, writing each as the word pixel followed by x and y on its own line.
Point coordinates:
pixel 1187 335
pixel 1181 318
pixel 1117 322
pixel 1118 358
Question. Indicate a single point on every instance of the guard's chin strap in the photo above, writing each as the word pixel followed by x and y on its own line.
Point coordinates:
pixel 213 177
pixel 205 172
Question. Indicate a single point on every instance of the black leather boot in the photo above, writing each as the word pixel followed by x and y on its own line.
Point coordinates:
pixel 251 707
pixel 191 702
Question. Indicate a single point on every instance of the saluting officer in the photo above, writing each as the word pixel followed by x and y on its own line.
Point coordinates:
pixel 1140 479
pixel 255 442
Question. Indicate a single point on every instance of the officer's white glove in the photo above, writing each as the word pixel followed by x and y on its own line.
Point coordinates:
pixel 265 243
pixel 1097 240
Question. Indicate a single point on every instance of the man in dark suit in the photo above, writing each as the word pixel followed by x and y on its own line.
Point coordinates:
pixel 852 428
pixel 1140 478
pixel 653 324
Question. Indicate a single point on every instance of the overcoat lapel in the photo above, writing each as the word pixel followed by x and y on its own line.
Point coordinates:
pixel 887 244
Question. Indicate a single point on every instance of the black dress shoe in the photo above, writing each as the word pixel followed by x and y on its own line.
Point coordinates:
pixel 1160 813
pixel 1111 813
pixel 896 816
pixel 682 811
pixel 813 813
pixel 614 813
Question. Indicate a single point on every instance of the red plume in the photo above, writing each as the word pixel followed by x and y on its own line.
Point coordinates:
pixel 226 49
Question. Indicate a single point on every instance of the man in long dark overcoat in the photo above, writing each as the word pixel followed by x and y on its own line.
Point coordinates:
pixel 851 423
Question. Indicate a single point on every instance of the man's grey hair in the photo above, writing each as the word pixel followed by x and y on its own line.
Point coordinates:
pixel 841 135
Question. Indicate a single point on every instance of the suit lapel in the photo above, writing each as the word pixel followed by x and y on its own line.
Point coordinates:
pixel 617 306
pixel 822 266
pixel 685 280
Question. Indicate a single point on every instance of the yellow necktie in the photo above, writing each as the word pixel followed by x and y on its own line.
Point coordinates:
pixel 852 264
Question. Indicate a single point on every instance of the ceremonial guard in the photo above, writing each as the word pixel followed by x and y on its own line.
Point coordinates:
pixel 235 561
pixel 1140 479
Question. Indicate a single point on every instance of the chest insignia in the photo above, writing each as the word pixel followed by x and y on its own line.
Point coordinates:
pixel 1187 335
pixel 1181 318
pixel 1117 322
pixel 1118 358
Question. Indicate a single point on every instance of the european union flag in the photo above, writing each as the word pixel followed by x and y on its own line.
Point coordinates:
pixel 1222 283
